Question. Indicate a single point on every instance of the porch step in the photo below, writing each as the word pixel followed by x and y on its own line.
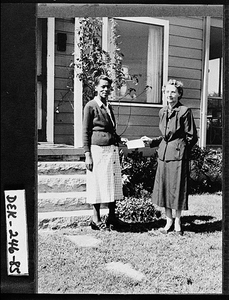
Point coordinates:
pixel 59 152
pixel 69 201
pixel 61 183
pixel 61 186
pixel 61 167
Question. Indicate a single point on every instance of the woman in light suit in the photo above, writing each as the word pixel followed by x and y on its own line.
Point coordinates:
pixel 179 135
pixel 104 181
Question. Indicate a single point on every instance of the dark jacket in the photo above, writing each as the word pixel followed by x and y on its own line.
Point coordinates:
pixel 98 128
pixel 179 133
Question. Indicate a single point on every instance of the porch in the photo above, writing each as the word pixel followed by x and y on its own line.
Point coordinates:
pixel 59 152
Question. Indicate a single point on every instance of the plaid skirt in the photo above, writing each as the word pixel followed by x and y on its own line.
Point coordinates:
pixel 104 182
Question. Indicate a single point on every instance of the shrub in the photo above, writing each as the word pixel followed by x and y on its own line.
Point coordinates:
pixel 205 171
pixel 138 172
pixel 137 209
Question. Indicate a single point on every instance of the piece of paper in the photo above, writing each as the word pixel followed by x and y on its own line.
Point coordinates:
pixel 17 235
pixel 135 144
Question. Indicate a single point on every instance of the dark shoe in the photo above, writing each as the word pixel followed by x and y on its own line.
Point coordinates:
pixel 115 223
pixel 99 226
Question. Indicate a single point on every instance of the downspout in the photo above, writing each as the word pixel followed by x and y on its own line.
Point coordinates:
pixel 204 90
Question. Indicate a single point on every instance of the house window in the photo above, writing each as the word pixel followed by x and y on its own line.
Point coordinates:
pixel 144 45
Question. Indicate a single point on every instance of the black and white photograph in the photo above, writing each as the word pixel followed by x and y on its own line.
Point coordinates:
pixel 114 143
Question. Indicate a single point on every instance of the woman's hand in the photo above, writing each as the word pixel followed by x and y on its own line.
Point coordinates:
pixel 146 140
pixel 88 161
pixel 124 141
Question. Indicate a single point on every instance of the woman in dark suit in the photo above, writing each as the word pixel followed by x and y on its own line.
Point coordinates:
pixel 179 135
pixel 104 182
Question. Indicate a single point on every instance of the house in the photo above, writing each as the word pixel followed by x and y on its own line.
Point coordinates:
pixel 155 49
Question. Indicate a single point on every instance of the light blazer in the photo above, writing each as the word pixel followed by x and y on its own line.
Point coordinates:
pixel 98 129
pixel 179 133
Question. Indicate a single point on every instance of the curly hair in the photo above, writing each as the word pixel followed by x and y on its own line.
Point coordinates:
pixel 177 84
pixel 103 77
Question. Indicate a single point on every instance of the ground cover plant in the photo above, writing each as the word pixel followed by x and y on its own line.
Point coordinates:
pixel 170 264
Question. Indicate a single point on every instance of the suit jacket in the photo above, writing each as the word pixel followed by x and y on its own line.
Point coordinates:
pixel 98 128
pixel 179 133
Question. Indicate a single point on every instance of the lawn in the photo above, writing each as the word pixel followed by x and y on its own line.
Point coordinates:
pixel 166 264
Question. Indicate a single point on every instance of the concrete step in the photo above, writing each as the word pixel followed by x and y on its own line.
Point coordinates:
pixel 61 186
pixel 64 201
pixel 61 183
pixel 64 219
pixel 59 167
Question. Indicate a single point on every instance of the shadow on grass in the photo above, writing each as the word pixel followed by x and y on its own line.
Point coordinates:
pixel 141 227
pixel 201 224
pixel 194 223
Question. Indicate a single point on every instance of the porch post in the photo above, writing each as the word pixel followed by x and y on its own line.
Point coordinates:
pixel 50 78
pixel 204 90
pixel 78 92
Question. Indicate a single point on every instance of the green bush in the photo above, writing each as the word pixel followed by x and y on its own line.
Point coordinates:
pixel 138 172
pixel 137 209
pixel 205 171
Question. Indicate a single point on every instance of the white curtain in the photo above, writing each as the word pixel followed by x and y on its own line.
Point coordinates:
pixel 154 64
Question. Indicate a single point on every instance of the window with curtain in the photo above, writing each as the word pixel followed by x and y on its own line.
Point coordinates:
pixel 142 46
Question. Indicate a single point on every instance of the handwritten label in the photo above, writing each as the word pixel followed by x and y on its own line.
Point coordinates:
pixel 17 235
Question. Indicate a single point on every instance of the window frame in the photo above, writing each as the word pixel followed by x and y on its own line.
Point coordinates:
pixel 151 21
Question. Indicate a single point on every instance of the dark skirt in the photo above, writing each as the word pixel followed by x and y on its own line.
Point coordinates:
pixel 171 184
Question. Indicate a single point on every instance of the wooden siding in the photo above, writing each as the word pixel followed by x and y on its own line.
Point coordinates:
pixel 185 59
pixel 64 120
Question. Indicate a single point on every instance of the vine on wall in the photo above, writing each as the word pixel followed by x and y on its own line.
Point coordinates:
pixel 94 61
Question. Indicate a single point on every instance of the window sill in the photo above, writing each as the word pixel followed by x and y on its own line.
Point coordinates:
pixel 116 103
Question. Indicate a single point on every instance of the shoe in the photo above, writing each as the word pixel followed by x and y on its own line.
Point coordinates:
pixel 99 226
pixel 115 223
pixel 180 232
pixel 165 231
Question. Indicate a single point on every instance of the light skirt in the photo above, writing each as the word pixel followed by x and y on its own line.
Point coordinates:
pixel 104 182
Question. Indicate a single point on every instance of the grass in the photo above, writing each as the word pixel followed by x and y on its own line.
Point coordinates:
pixel 187 264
